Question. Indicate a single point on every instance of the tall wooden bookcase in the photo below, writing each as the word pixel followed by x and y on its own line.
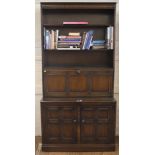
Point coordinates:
pixel 78 108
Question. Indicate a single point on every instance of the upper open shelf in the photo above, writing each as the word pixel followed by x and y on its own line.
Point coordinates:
pixel 75 26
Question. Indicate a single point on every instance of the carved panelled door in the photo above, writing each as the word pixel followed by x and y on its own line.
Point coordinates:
pixel 61 124
pixel 97 124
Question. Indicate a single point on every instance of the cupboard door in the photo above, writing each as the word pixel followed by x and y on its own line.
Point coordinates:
pixel 54 83
pixel 78 83
pixel 101 83
pixel 97 124
pixel 60 124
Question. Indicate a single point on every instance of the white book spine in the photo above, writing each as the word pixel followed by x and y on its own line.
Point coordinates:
pixel 44 41
pixel 112 38
pixel 86 36
pixel 57 35
pixel 108 38
pixel 52 39
pixel 47 39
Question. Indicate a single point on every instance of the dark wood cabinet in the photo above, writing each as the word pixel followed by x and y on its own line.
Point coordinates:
pixel 97 124
pixel 78 108
pixel 78 82
pixel 73 122
pixel 60 124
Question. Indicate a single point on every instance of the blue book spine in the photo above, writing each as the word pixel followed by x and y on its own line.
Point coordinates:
pixel 89 40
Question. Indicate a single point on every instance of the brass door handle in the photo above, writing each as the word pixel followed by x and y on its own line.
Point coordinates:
pixel 79 100
pixel 74 120
pixel 83 121
pixel 78 71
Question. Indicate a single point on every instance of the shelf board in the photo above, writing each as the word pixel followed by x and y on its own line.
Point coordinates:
pixel 83 67
pixel 97 50
pixel 75 26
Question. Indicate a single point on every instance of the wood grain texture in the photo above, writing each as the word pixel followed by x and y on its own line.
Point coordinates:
pixel 39 152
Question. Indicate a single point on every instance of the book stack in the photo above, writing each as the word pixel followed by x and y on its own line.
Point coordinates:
pixel 50 39
pixel 87 40
pixel 109 37
pixel 99 44
pixel 70 42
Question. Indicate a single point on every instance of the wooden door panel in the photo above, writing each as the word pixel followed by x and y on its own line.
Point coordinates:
pixel 97 124
pixel 77 83
pixel 56 83
pixel 60 125
pixel 101 83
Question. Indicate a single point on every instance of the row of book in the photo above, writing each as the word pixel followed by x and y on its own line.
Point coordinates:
pixel 71 41
pixel 75 41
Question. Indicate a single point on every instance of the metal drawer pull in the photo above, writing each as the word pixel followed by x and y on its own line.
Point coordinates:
pixel 78 71
pixel 79 100
pixel 74 120
pixel 45 70
pixel 83 121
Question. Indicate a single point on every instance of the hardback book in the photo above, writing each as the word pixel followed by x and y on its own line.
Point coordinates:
pixel 57 35
pixel 109 37
pixel 52 39
pixel 68 48
pixel 65 37
pixel 88 40
pixel 74 34
pixel 47 39
pixel 75 23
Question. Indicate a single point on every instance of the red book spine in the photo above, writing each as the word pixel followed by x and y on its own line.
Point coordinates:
pixel 75 22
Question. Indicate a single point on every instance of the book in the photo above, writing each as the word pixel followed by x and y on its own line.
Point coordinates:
pixel 74 34
pixel 68 48
pixel 70 39
pixel 88 40
pixel 98 42
pixel 109 37
pixel 64 37
pixel 52 39
pixel 57 35
pixel 83 39
pixel 47 39
pixel 72 23
pixel 44 38
pixel 99 47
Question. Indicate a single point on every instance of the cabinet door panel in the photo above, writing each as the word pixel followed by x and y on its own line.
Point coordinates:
pixel 54 83
pixel 60 124
pixel 78 82
pixel 102 84
pixel 97 124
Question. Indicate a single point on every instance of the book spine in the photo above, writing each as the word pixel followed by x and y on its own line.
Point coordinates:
pixel 112 38
pixel 63 37
pixel 75 23
pixel 108 38
pixel 57 35
pixel 53 41
pixel 74 34
pixel 85 41
pixel 70 39
pixel 68 48
pixel 44 40
pixel 47 39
